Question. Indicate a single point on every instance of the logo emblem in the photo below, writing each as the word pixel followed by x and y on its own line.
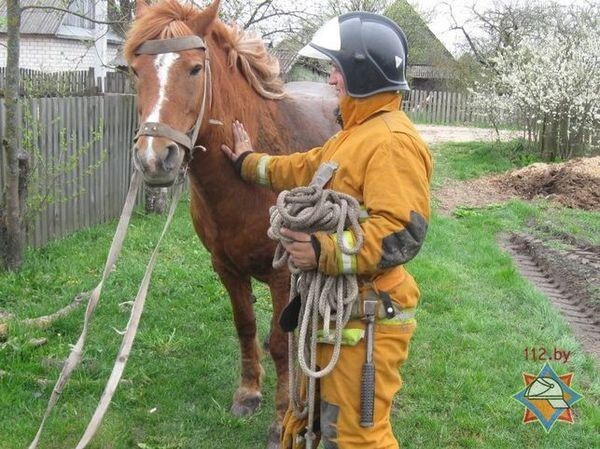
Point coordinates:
pixel 398 61
pixel 547 397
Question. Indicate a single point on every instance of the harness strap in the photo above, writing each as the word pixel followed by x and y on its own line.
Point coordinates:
pixel 382 311
pixel 156 129
pixel 132 327
pixel 324 174
pixel 154 47
pixel 77 351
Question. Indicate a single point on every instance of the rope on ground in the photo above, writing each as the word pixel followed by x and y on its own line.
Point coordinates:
pixel 323 298
pixel 44 321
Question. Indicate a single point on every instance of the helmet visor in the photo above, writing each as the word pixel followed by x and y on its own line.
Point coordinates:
pixel 327 37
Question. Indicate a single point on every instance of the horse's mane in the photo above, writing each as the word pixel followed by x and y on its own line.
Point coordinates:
pixel 168 19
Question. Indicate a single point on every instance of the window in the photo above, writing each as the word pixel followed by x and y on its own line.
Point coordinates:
pixel 84 7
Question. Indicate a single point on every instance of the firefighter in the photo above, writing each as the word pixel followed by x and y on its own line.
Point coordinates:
pixel 383 162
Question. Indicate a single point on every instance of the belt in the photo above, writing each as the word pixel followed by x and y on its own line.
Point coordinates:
pixel 386 308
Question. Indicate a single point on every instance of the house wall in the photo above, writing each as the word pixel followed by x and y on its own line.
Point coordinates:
pixel 50 54
pixel 430 84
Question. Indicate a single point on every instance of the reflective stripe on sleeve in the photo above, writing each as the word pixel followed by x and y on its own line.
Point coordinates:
pixel 363 214
pixel 261 171
pixel 346 263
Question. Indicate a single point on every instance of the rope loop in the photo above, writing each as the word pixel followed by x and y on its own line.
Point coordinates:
pixel 324 299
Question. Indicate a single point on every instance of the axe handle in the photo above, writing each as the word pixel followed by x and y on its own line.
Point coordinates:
pixel 367 395
pixel 367 386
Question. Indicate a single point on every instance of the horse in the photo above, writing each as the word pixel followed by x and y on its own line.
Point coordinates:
pixel 224 76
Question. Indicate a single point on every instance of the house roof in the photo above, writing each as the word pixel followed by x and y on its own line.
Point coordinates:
pixel 287 58
pixel 37 21
pixel 424 48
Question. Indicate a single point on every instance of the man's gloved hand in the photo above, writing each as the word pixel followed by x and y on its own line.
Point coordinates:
pixel 301 249
pixel 241 143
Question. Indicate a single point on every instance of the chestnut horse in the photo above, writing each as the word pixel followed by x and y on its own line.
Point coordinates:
pixel 229 215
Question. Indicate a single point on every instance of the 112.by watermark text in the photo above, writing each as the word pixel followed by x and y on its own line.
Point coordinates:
pixel 542 354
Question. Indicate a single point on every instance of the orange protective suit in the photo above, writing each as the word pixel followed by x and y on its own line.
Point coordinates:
pixel 386 166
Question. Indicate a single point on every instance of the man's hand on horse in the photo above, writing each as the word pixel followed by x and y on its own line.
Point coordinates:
pixel 300 249
pixel 241 142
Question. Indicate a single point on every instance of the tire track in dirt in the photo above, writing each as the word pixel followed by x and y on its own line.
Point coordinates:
pixel 533 264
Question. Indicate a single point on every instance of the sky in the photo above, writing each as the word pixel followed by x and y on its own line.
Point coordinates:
pixel 442 21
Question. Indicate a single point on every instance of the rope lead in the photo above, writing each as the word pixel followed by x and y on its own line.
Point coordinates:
pixel 324 299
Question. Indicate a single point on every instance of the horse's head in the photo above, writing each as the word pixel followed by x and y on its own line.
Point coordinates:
pixel 170 62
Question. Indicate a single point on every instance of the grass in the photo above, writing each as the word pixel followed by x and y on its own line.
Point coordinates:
pixel 477 316
pixel 474 159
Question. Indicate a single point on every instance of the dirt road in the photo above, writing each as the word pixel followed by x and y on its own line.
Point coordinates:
pixel 433 134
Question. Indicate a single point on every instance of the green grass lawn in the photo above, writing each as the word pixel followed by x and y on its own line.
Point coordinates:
pixel 477 316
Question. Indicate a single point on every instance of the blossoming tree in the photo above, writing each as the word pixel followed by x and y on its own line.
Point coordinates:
pixel 551 80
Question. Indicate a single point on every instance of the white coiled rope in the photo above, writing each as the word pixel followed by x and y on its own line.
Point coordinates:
pixel 324 299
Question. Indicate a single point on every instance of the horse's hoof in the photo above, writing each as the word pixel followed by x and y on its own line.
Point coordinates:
pixel 246 404
pixel 274 436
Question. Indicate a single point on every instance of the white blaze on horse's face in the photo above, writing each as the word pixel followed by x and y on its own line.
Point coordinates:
pixel 163 63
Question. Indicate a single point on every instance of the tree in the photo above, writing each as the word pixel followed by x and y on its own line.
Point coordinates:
pixel 336 7
pixel 548 71
pixel 272 19
pixel 12 234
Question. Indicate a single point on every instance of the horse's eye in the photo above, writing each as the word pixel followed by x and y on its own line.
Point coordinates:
pixel 196 69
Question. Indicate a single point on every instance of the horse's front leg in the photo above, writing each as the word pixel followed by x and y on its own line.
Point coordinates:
pixel 247 397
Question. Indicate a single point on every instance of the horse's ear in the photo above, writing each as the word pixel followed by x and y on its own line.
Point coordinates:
pixel 140 8
pixel 202 21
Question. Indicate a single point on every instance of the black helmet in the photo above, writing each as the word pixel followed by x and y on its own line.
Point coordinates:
pixel 369 49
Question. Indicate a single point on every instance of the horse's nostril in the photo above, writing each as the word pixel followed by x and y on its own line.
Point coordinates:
pixel 172 158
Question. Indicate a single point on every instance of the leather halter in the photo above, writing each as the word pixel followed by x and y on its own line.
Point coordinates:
pixel 157 129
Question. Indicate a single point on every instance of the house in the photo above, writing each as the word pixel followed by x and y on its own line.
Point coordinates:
pixel 293 67
pixel 430 65
pixel 52 40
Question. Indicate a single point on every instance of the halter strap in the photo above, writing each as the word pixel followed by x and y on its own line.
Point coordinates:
pixel 154 47
pixel 156 129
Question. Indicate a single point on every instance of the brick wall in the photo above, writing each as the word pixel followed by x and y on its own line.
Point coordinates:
pixel 54 55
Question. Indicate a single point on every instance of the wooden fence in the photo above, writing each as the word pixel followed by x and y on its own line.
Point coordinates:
pixel 91 134
pixel 117 83
pixel 447 108
pixel 35 83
